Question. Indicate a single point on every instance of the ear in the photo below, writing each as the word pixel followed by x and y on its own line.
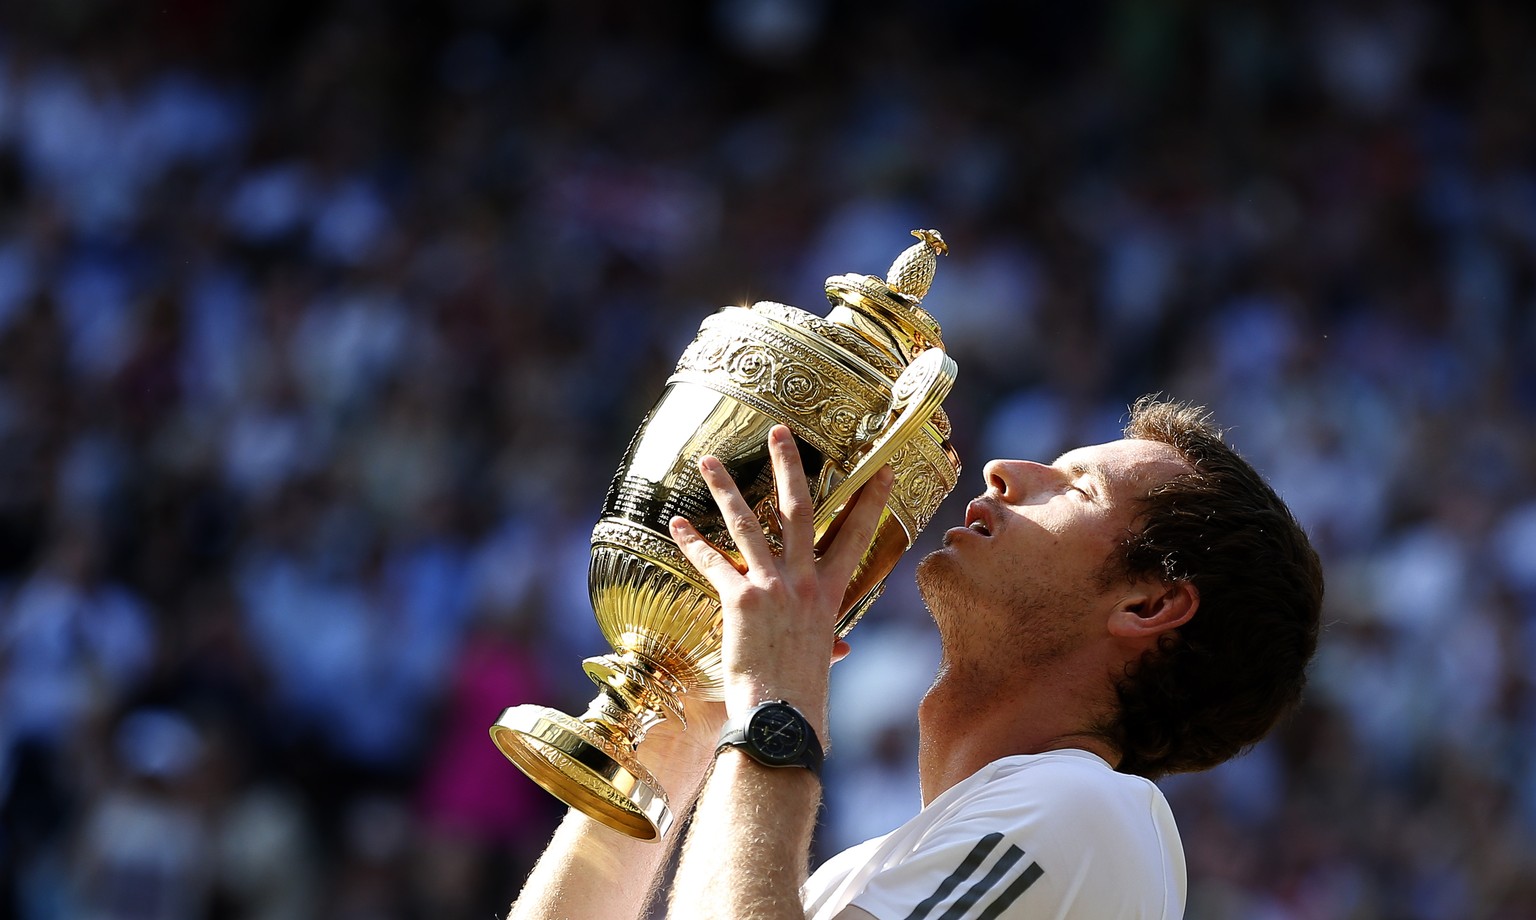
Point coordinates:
pixel 1154 608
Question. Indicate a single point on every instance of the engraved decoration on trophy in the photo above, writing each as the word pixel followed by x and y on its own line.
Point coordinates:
pixel 859 388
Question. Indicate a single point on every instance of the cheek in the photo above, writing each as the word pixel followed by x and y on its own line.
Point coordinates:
pixel 1054 535
pixel 1074 555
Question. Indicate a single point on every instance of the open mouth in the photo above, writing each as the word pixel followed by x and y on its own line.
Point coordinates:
pixel 974 520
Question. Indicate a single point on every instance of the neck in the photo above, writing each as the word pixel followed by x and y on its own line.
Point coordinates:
pixel 970 718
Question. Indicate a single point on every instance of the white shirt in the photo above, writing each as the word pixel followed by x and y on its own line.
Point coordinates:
pixel 1059 835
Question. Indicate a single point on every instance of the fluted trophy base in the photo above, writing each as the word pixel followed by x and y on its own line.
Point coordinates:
pixel 579 764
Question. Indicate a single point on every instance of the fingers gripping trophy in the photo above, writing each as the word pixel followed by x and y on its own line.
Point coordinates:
pixel 860 388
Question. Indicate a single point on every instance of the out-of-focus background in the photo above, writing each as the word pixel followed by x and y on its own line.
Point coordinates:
pixel 323 326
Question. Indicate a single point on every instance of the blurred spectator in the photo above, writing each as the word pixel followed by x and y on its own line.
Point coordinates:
pixel 74 641
pixel 477 828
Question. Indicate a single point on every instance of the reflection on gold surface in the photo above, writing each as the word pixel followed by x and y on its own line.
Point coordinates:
pixel 860 388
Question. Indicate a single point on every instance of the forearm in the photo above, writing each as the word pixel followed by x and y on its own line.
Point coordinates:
pixel 591 872
pixel 749 847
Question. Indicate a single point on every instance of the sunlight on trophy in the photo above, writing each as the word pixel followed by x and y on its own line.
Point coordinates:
pixel 860 388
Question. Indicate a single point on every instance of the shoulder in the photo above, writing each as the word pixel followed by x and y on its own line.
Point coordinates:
pixel 1069 786
pixel 1064 798
pixel 1058 829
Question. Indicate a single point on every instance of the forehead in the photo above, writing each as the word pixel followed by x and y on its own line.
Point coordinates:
pixel 1128 467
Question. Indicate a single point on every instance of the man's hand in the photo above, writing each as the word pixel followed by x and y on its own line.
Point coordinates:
pixel 680 755
pixel 779 614
pixel 750 839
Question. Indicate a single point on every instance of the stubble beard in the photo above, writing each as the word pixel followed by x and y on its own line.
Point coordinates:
pixel 1032 625
pixel 942 590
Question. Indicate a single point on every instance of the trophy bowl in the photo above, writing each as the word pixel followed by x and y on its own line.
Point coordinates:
pixel 860 388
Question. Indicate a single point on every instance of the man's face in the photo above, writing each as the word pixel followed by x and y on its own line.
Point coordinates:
pixel 1030 560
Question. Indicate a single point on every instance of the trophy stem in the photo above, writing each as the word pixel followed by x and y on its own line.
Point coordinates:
pixel 589 763
pixel 640 692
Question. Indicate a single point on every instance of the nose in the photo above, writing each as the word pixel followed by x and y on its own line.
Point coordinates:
pixel 1015 480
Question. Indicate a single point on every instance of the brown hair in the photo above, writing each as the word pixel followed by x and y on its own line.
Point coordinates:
pixel 1217 684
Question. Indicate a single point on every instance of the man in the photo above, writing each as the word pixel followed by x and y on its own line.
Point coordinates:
pixel 1133 609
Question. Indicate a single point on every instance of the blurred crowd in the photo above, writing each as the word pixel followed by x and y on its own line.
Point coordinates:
pixel 323 325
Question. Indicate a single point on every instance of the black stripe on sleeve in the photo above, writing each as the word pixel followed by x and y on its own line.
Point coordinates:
pixel 1012 892
pixel 962 872
pixel 984 884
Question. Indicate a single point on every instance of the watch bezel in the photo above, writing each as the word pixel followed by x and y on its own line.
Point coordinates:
pixel 769 733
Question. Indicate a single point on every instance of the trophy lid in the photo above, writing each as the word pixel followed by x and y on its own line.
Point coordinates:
pixel 893 302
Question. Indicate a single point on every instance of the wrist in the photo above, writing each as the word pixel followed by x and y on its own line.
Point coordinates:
pixel 733 761
pixel 742 698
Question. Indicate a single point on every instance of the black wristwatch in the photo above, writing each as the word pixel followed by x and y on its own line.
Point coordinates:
pixel 775 734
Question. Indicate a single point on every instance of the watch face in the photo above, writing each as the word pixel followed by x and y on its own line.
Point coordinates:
pixel 778 733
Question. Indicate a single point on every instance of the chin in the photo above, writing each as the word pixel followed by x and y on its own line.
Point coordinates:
pixel 927 565
pixel 939 578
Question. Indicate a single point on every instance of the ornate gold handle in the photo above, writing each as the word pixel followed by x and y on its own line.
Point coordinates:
pixel 915 397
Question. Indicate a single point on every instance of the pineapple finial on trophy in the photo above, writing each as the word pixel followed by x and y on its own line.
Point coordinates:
pixel 912 272
pixel 886 311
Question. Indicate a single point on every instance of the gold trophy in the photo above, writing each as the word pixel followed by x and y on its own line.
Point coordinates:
pixel 860 388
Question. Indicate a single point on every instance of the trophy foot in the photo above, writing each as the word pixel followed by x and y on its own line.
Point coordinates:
pixel 577 764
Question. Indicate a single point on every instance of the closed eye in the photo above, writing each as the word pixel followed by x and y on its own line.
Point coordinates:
pixel 1080 473
pixel 1083 476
